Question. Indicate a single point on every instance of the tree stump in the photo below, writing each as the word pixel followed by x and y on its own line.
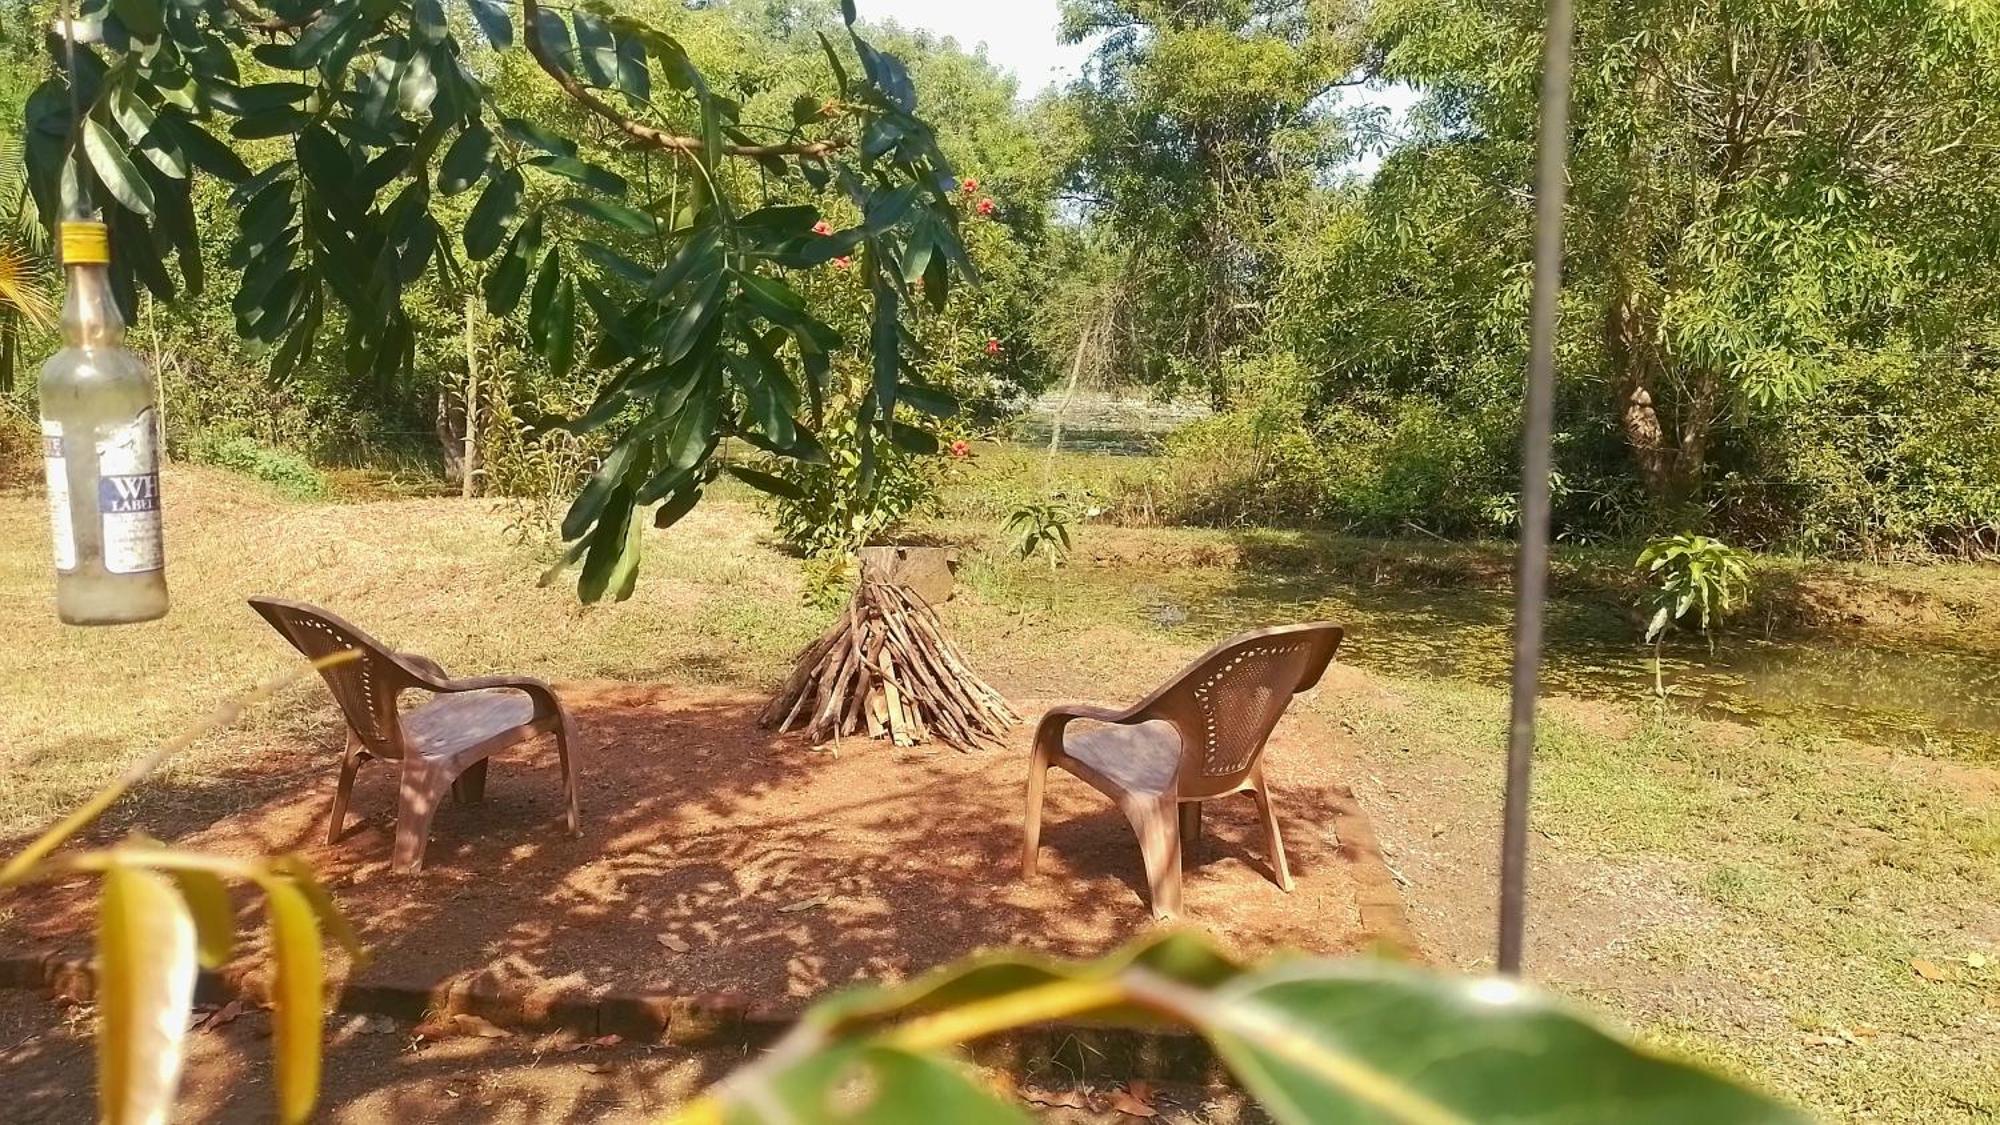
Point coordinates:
pixel 929 572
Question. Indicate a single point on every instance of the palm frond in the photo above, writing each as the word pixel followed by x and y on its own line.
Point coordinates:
pixel 24 286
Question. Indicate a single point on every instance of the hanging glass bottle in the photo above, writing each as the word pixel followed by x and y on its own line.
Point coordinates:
pixel 101 444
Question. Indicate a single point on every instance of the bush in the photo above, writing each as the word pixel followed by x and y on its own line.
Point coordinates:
pixel 289 473
pixel 20 449
pixel 1412 462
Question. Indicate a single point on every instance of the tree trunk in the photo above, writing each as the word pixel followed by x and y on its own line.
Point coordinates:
pixel 1635 381
pixel 470 469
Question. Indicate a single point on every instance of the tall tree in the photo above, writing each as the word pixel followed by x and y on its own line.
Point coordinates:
pixel 1196 117
pixel 1766 193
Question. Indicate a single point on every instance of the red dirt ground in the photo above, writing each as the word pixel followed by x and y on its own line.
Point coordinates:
pixel 785 869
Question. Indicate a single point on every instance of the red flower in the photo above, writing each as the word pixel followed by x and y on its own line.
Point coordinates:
pixel 822 227
pixel 986 207
pixel 960 450
pixel 842 262
pixel 969 185
pixel 992 346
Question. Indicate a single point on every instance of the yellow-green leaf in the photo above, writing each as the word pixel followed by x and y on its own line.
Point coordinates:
pixel 331 920
pixel 296 994
pixel 207 898
pixel 146 971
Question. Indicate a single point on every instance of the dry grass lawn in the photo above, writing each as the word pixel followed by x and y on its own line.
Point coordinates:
pixel 1759 897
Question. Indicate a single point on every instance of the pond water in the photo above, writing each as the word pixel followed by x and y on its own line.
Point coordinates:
pixel 1103 422
pixel 1940 700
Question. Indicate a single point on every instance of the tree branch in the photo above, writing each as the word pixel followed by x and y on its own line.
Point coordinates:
pixel 641 133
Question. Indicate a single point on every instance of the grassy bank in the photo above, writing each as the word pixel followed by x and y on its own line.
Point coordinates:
pixel 1795 899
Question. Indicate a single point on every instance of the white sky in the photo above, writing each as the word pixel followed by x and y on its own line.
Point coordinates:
pixel 1020 35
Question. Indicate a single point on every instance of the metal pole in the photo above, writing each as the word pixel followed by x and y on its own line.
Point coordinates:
pixel 1531 583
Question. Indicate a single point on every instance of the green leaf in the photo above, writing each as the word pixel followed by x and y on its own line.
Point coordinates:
pixel 704 301
pixel 633 78
pixel 1315 1039
pixel 912 439
pixel 554 34
pixel 534 136
pixel 595 50
pixel 209 154
pixel 590 175
pixel 589 504
pixel 142 18
pixel 766 482
pixel 243 101
pixel 296 998
pixel 1312 1040
pixel 931 400
pixel 495 21
pixel 146 971
pixel 466 160
pixel 510 274
pixel 496 207
pixel 610 545
pixel 678 505
pixel 282 122
pixel 917 253
pixel 695 259
pixel 613 262
pixel 694 431
pixel 789 220
pixel 561 349
pixel 616 214
pixel 114 169
pixel 546 280
pixel 833 62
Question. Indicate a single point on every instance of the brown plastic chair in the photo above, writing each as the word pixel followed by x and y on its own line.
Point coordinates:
pixel 443 744
pixel 1200 736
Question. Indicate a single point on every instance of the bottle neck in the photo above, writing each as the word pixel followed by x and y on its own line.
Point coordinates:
pixel 89 316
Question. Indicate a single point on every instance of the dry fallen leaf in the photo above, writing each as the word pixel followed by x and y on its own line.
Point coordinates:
pixel 594 1068
pixel 473 1025
pixel 802 904
pixel 673 942
pixel 607 1041
pixel 1931 970
pixel 1055 1099
pixel 1125 1102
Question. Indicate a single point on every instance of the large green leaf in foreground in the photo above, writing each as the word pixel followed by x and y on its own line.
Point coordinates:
pixel 1313 1041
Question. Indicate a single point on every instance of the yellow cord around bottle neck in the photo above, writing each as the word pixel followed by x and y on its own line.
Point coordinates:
pixel 84 242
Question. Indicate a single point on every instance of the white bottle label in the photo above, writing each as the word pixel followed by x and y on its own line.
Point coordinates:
pixel 58 473
pixel 128 497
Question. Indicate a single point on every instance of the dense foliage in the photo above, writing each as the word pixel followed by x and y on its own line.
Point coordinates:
pixel 1779 324
pixel 693 264
pixel 1779 316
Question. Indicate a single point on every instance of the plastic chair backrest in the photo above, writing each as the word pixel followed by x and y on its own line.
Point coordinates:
pixel 365 686
pixel 1226 703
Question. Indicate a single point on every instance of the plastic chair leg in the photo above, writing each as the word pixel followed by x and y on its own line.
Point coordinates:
pixel 1157 823
pixel 1273 841
pixel 1031 837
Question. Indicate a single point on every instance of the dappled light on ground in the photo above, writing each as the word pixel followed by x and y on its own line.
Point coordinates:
pixel 718 858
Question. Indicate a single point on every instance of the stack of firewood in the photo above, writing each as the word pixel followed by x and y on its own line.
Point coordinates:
pixel 886 668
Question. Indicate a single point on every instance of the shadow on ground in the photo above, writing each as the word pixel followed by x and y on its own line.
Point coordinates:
pixel 781 869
